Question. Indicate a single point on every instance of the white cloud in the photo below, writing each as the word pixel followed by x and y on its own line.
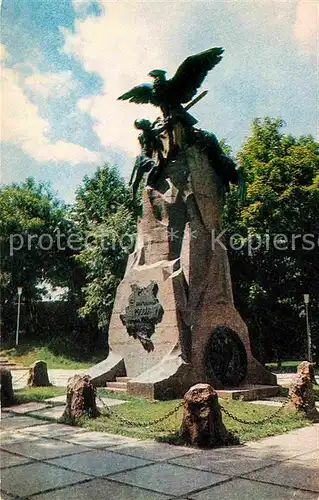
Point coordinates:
pixel 22 125
pixel 51 84
pixel 121 46
pixel 130 38
pixel 307 24
pixel 3 52
pixel 82 7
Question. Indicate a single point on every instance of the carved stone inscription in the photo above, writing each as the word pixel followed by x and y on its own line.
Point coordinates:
pixel 143 313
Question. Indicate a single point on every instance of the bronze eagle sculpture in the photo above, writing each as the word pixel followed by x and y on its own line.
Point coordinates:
pixel 169 95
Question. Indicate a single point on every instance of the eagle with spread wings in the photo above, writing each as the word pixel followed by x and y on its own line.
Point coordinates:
pixel 169 95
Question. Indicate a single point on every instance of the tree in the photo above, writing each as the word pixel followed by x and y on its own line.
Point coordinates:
pixel 31 221
pixel 105 211
pixel 104 260
pixel 101 196
pixel 278 255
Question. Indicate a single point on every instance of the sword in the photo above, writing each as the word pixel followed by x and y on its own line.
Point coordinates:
pixel 194 101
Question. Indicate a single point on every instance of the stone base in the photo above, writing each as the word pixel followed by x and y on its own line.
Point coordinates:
pixel 169 379
pixel 176 384
pixel 107 370
pixel 249 392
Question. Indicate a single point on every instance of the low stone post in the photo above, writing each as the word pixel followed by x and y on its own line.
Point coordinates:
pixel 80 399
pixel 202 423
pixel 301 393
pixel 38 375
pixel 7 396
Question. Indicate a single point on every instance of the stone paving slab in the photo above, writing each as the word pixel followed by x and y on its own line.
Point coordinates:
pixel 101 489
pixel 27 407
pixel 42 448
pixel 243 489
pixel 4 496
pixel 55 413
pixel 223 463
pixel 97 439
pixel 51 429
pixel 289 473
pixel 57 377
pixel 8 459
pixel 99 462
pixel 57 399
pixel 19 422
pixel 281 447
pixel 154 451
pixel 3 414
pixel 10 437
pixel 37 477
pixel 289 466
pixel 311 458
pixel 169 479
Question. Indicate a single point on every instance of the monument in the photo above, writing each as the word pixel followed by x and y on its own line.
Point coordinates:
pixel 174 323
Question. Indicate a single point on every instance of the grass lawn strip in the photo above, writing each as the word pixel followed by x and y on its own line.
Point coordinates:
pixel 26 355
pixel 141 410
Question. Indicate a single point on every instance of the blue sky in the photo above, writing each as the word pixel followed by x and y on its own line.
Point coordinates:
pixel 64 63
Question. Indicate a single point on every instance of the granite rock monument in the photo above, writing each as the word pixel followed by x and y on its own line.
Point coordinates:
pixel 174 323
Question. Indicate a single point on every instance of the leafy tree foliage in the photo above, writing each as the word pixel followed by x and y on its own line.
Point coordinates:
pixel 105 211
pixel 278 256
pixel 30 220
pixel 101 196
pixel 104 260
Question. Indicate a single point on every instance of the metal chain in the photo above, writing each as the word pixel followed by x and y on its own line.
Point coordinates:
pixel 176 408
pixel 24 375
pixel 255 422
pixel 144 423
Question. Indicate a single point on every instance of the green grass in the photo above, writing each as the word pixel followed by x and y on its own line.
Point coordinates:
pixel 284 391
pixel 142 410
pixel 286 367
pixel 26 355
pixel 28 394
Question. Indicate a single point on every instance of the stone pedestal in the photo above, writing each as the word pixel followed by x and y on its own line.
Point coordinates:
pixel 80 399
pixel 302 397
pixel 202 424
pixel 7 395
pixel 186 330
pixel 38 375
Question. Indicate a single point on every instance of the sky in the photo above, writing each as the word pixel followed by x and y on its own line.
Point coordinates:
pixel 65 62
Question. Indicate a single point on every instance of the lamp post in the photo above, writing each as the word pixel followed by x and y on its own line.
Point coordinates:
pixel 18 315
pixel 306 301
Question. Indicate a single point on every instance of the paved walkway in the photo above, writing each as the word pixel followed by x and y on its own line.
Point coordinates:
pixel 57 377
pixel 50 461
pixel 60 377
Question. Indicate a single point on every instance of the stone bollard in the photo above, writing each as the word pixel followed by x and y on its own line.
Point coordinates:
pixel 38 375
pixel 202 423
pixel 7 396
pixel 80 399
pixel 301 393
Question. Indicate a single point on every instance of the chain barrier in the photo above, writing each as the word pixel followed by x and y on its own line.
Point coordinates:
pixel 150 423
pixel 24 375
pixel 134 423
pixel 259 421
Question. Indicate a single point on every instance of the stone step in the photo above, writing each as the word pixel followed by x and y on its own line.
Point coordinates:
pixel 117 385
pixel 12 366
pixel 3 360
pixel 123 379
pixel 249 392
pixel 116 389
